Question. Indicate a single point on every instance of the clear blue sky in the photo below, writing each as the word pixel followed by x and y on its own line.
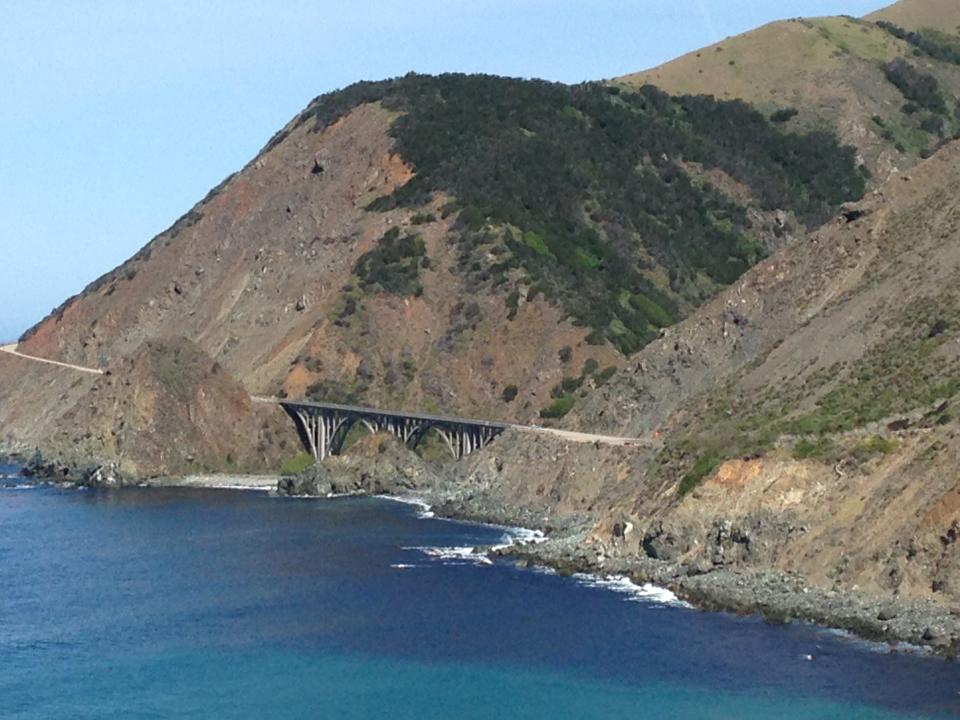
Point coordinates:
pixel 118 115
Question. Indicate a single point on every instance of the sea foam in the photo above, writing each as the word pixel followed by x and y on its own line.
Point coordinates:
pixel 633 592
pixel 465 555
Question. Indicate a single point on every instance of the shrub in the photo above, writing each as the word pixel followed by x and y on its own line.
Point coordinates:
pixel 605 375
pixel 297 464
pixel 393 266
pixel 449 209
pixel 472 217
pixel 703 467
pixel 871 447
pixel 820 448
pixel 558 408
pixel 423 218
pixel 513 304
pixel 566 354
pixel 329 390
pixel 784 114
pixel 937 45
pixel 509 393
pixel 917 87
pixel 571 384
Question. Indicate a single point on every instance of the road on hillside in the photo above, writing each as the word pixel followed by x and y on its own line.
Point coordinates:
pixel 568 435
pixel 12 350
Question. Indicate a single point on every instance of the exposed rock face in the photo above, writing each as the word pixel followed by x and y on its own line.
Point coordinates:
pixel 375 465
pixel 255 275
pixel 840 333
pixel 166 409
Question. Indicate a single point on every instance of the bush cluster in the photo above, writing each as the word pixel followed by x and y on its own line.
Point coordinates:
pixel 933 43
pixel 592 178
pixel 393 266
pixel 917 87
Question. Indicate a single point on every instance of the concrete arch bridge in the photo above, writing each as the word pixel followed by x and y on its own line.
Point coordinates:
pixel 323 427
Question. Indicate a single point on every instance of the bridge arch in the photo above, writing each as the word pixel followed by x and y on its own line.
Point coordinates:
pixel 323 427
pixel 343 428
pixel 449 435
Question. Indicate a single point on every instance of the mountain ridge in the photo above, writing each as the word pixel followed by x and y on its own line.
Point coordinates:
pixel 828 72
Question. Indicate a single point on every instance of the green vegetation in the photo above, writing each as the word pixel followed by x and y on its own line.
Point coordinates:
pixel 925 113
pixel 509 393
pixel 871 447
pixel 702 468
pixel 585 179
pixel 819 448
pixel 912 369
pixel 297 464
pixel 784 114
pixel 559 407
pixel 334 391
pixel 932 43
pixel 564 393
pixel 393 266
pixel 605 375
pixel 916 86
pixel 897 377
pixel 423 218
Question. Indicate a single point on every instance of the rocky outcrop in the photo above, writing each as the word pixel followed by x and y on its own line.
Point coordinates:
pixel 778 596
pixel 375 465
pixel 59 471
pixel 166 409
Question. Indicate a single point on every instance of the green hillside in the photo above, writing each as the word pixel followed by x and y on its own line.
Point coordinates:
pixel 585 188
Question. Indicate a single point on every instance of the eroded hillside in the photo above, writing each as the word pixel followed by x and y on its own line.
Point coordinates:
pixel 807 416
pixel 464 244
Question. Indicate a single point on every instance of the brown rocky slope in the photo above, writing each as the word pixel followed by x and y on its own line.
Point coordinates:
pixel 167 409
pixel 254 275
pixel 805 418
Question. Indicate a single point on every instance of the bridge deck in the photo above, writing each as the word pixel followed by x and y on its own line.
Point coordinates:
pixel 359 409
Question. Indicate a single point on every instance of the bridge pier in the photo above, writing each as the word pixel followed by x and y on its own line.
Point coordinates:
pixel 324 427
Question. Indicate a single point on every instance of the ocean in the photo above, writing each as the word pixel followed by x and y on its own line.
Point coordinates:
pixel 186 603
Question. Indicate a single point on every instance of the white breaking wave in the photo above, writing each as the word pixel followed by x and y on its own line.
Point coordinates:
pixel 402 566
pixel 635 593
pixel 239 487
pixel 453 555
pixel 518 535
pixel 426 510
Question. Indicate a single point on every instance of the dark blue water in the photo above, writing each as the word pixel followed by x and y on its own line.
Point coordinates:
pixel 149 603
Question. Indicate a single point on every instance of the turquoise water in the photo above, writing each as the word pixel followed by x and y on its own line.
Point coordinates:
pixel 149 603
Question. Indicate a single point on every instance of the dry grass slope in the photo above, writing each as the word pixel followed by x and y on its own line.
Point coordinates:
pixel 830 70
pixel 916 14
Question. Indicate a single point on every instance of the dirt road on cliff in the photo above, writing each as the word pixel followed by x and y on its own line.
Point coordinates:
pixel 12 350
pixel 568 435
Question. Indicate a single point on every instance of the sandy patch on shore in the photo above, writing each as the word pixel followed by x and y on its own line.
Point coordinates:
pixel 223 482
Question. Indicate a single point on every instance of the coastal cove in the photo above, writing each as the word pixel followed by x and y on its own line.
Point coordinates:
pixel 188 602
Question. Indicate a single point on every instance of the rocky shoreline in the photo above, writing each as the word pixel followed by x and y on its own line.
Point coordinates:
pixel 380 467
pixel 777 597
pixel 903 624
